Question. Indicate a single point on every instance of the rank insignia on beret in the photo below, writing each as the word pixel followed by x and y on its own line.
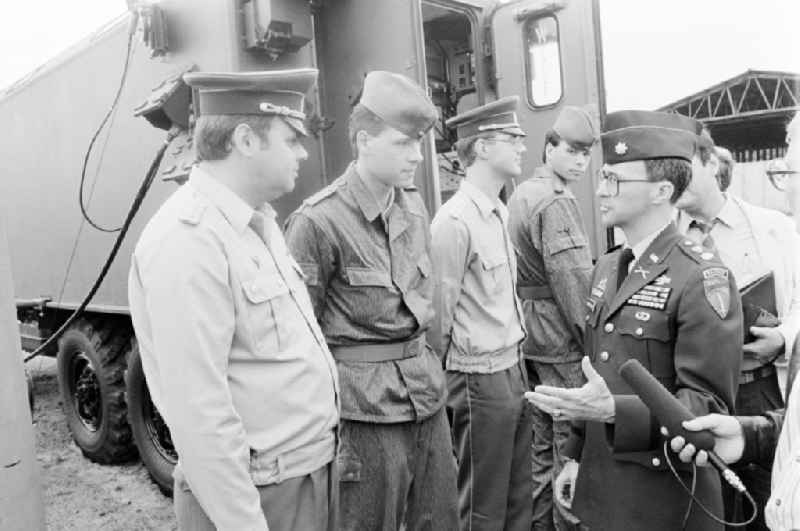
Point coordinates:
pixel 621 148
pixel 717 289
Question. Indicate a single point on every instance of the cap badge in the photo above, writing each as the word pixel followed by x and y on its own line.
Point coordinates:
pixel 621 148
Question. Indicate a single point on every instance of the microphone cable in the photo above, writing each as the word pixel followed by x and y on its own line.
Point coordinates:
pixel 693 499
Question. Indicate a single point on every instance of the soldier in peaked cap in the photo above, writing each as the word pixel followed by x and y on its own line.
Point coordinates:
pixel 364 245
pixel 665 302
pixel 478 328
pixel 234 358
pixel 554 268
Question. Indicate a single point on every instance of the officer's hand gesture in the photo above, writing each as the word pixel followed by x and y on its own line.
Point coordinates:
pixel 592 401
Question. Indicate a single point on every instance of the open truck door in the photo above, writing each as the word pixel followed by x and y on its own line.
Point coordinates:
pixel 354 37
pixel 549 53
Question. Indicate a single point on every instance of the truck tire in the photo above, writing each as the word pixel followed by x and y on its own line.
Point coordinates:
pixel 149 430
pixel 91 365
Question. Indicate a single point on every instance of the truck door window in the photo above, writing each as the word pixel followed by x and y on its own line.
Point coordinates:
pixel 543 61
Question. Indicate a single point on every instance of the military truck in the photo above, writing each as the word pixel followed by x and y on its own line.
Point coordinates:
pixel 65 202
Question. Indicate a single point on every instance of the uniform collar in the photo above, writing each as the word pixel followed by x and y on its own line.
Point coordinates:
pixel 364 198
pixel 234 208
pixel 484 203
pixel 640 248
pixel 546 172
pixel 728 214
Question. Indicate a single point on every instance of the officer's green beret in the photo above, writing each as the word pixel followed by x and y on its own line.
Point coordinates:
pixel 642 135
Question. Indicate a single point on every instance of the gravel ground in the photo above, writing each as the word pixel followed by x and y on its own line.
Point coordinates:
pixel 79 494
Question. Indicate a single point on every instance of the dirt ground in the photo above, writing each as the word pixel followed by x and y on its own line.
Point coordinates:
pixel 79 494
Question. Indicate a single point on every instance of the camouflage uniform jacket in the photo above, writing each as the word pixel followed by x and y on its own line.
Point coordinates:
pixel 547 230
pixel 369 276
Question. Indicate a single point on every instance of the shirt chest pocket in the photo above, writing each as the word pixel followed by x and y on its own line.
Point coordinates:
pixel 492 272
pixel 649 333
pixel 264 296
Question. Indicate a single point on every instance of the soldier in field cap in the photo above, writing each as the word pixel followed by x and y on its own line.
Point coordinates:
pixel 554 267
pixel 666 302
pixel 363 243
pixel 234 358
pixel 478 328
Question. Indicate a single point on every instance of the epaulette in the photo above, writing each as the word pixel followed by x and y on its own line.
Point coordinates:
pixel 698 253
pixel 192 212
pixel 328 191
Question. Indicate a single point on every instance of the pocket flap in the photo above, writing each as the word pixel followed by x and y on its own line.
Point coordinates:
pixel 563 243
pixel 643 323
pixel 361 276
pixel 263 288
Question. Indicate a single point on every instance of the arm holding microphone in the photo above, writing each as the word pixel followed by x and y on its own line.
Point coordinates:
pixel 736 439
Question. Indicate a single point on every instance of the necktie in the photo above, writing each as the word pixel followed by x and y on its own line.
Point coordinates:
pixel 625 259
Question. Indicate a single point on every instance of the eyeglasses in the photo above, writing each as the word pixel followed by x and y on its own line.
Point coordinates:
pixel 612 181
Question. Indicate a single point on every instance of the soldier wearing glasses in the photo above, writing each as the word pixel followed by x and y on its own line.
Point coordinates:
pixel 478 329
pixel 666 302
pixel 554 267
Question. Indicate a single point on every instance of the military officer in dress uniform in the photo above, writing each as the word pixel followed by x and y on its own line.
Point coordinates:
pixel 233 356
pixel 364 244
pixel 554 269
pixel 478 328
pixel 661 300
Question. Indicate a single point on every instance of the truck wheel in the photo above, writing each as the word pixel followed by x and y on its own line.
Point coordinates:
pixel 149 430
pixel 91 365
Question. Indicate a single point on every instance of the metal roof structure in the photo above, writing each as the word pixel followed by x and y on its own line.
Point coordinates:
pixel 747 113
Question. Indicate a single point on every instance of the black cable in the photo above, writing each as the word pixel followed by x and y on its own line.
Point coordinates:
pixel 126 67
pixel 690 492
pixel 691 501
pixel 137 202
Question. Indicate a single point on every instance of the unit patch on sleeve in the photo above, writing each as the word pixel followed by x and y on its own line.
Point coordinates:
pixel 718 293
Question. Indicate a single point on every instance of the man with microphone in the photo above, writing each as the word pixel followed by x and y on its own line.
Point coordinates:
pixel 661 300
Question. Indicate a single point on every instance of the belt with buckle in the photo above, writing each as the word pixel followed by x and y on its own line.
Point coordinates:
pixel 532 293
pixel 378 352
pixel 746 377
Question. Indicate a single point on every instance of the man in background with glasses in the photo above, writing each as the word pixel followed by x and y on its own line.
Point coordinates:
pixel 478 328
pixel 665 302
pixel 753 242
pixel 554 267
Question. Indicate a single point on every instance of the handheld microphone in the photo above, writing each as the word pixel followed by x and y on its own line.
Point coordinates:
pixel 670 412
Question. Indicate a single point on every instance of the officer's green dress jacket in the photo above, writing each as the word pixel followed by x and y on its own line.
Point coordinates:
pixel 678 312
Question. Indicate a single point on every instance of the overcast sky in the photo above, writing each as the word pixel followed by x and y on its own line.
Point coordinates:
pixel 656 51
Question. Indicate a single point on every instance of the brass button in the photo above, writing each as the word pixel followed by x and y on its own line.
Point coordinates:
pixel 656 461
pixel 778 502
pixel 639 331
pixel 609 327
pixel 604 356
